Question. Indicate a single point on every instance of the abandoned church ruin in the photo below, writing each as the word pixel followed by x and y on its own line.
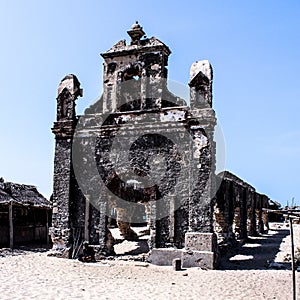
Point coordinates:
pixel 141 154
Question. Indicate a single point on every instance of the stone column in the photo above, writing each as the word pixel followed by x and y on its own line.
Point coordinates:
pixel 237 193
pixel 172 220
pixel 253 230
pixel 243 220
pixel 152 239
pixel 201 182
pixel 60 230
pixel 231 203
pixel 94 225
pixel 102 227
pixel 202 168
pixel 87 220
pixel 250 212
pixel 221 213
pixel 64 127
pixel 163 224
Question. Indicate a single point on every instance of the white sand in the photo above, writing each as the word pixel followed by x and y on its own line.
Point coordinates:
pixel 36 276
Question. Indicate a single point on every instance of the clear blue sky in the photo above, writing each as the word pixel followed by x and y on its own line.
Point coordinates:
pixel 253 46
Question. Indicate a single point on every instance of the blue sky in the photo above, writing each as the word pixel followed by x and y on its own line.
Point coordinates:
pixel 253 46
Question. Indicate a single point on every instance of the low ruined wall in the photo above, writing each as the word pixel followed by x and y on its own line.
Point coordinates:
pixel 238 210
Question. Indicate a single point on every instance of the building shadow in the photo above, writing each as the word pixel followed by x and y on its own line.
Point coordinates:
pixel 256 253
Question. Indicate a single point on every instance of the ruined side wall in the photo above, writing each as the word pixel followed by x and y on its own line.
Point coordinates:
pixel 238 211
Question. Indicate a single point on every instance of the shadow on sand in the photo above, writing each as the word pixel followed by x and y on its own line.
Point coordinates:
pixel 256 253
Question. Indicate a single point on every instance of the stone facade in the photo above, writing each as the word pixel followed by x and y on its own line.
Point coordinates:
pixel 141 144
pixel 138 144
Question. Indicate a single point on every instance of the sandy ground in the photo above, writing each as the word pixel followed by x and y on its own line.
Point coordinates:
pixel 34 275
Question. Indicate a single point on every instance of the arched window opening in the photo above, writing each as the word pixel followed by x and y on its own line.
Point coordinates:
pixel 131 90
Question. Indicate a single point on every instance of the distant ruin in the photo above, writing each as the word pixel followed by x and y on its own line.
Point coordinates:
pixel 141 153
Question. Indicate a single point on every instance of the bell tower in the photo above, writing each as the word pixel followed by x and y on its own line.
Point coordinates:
pixel 140 67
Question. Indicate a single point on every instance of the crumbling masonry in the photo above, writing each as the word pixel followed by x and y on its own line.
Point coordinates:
pixel 142 145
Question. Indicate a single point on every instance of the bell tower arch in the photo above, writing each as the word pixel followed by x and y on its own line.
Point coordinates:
pixel 142 65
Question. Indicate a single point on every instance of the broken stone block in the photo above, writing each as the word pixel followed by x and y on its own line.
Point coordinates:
pixel 201 259
pixel 164 256
pixel 200 241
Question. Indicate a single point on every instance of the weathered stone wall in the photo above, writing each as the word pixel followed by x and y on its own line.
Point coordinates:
pixel 173 189
pixel 238 211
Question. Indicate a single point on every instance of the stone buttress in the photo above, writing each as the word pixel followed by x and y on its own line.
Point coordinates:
pixel 61 231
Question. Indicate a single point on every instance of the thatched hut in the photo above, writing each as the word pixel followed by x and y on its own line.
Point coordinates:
pixel 24 215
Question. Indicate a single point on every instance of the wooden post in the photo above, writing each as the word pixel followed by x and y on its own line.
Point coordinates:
pixel 11 226
pixel 47 227
pixel 293 258
pixel 34 224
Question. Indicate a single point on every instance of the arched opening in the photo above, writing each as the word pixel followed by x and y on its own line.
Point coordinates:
pixel 131 238
pixel 130 93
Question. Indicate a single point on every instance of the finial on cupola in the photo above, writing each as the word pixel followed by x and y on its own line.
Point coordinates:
pixel 136 32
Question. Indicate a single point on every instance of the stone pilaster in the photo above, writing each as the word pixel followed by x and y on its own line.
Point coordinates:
pixel 243 211
pixel 64 127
